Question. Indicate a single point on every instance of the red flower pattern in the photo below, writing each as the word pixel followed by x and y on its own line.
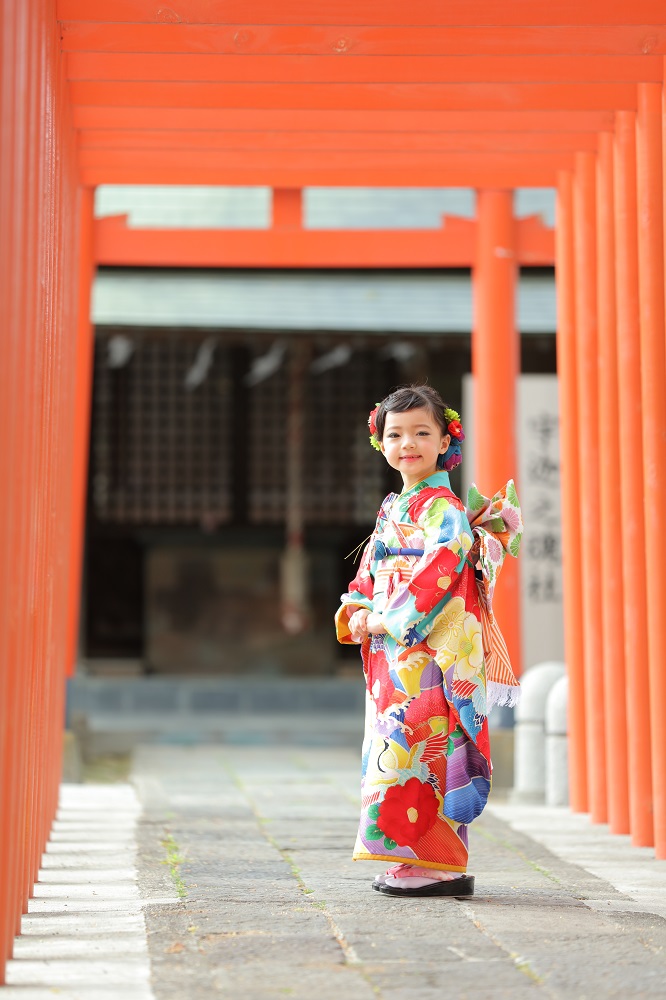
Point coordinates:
pixel 423 498
pixel 428 584
pixel 372 421
pixel 455 428
pixel 408 812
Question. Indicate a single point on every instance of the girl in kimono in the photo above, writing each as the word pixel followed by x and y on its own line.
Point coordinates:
pixel 421 608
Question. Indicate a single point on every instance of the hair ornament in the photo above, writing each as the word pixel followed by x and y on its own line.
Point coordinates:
pixel 453 424
pixel 372 424
pixel 453 456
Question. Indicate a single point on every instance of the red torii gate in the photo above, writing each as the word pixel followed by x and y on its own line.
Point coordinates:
pixel 287 244
pixel 529 94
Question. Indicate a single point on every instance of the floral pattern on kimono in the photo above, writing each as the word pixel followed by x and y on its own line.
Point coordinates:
pixel 426 754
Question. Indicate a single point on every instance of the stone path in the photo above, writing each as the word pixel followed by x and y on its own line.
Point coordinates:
pixel 237 882
pixel 275 907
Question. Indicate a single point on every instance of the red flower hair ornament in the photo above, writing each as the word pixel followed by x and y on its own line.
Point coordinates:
pixel 372 424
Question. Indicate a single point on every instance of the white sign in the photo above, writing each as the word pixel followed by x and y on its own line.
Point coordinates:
pixel 539 492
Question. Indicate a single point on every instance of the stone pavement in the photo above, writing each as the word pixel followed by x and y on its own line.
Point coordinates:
pixel 248 891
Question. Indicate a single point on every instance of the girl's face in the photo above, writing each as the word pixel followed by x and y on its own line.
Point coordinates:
pixel 412 443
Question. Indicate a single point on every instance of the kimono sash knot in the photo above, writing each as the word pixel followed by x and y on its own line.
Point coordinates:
pixel 497 527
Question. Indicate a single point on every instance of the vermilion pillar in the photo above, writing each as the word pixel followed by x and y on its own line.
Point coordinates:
pixel 653 379
pixel 81 428
pixel 612 610
pixel 569 450
pixel 629 470
pixel 495 365
pixel 585 255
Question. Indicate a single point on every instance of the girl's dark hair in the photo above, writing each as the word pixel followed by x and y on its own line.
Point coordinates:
pixel 412 397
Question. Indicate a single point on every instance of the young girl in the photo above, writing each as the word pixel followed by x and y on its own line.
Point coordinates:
pixel 421 607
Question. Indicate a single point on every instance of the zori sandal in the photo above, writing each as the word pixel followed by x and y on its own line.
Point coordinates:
pixel 463 886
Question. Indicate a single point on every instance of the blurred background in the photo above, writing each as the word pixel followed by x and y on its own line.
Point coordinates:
pixel 230 474
pixel 190 446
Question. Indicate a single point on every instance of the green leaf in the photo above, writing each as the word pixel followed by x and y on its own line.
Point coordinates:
pixel 374 833
pixel 389 844
pixel 474 499
pixel 512 496
pixel 514 547
pixel 373 810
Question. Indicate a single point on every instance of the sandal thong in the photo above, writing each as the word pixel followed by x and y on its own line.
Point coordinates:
pixel 380 879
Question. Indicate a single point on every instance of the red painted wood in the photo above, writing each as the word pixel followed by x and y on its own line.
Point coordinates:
pixel 370 40
pixel 354 142
pixel 475 175
pixel 350 96
pixel 612 583
pixel 452 246
pixel 81 419
pixel 412 162
pixel 650 185
pixel 632 521
pixel 38 213
pixel 287 210
pixel 394 69
pixel 473 121
pixel 495 366
pixel 585 256
pixel 362 12
pixel 570 445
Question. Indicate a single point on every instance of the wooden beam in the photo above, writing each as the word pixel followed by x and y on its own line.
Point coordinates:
pixel 452 246
pixel 340 161
pixel 468 175
pixel 354 142
pixel 349 96
pixel 395 69
pixel 369 12
pixel 355 120
pixel 368 40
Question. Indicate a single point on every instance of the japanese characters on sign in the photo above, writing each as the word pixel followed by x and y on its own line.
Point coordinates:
pixel 539 490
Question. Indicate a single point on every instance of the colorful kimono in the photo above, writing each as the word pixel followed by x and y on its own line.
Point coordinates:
pixel 426 753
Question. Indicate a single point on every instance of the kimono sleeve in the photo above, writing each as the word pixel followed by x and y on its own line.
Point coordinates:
pixel 413 606
pixel 359 595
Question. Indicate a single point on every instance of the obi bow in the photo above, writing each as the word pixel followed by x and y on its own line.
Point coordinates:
pixel 497 527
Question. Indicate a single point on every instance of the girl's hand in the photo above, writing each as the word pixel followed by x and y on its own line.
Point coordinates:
pixel 358 624
pixel 375 625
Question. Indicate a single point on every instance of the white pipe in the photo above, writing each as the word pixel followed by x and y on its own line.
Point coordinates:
pixel 557 745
